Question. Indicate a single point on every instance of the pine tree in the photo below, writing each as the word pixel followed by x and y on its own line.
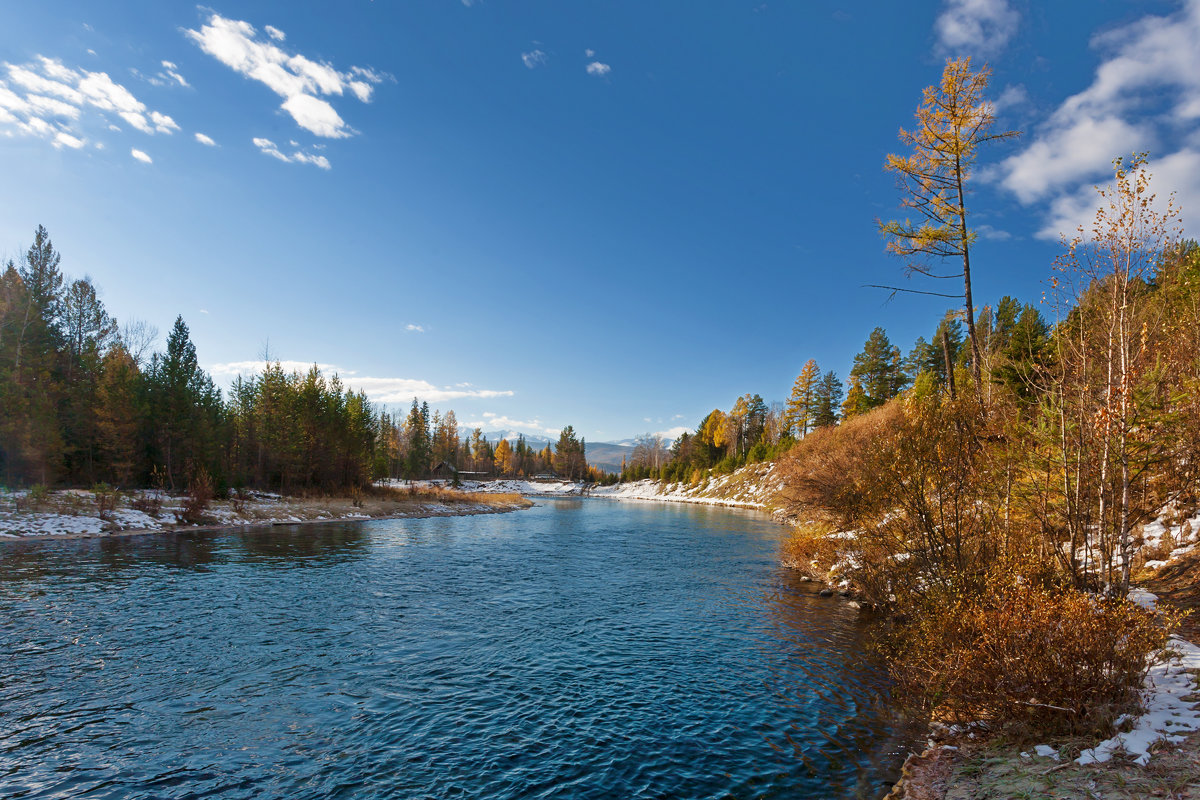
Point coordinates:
pixel 118 416
pixel 416 462
pixel 878 369
pixel 570 461
pixel 801 405
pixel 827 400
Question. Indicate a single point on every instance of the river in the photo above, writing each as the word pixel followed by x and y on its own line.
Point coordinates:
pixel 580 649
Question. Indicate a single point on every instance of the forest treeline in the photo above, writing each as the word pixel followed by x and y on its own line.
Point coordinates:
pixel 1015 339
pixel 84 400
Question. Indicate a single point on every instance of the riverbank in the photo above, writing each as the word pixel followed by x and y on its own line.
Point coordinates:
pixel 79 514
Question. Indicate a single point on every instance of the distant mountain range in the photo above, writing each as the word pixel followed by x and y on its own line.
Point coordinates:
pixel 605 455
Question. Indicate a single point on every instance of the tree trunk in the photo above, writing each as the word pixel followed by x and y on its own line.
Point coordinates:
pixel 968 303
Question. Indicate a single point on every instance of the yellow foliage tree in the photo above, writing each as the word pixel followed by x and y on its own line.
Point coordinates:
pixel 503 457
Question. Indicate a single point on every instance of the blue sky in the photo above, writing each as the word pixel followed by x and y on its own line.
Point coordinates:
pixel 616 215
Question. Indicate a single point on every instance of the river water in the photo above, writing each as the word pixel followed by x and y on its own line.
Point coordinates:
pixel 579 649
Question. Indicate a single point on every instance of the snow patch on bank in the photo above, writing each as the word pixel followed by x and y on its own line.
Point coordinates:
pixel 752 486
pixel 1168 714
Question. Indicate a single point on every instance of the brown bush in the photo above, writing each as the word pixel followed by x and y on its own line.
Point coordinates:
pixel 195 503
pixel 149 502
pixel 1017 654
pixel 107 499
pixel 921 481
pixel 831 474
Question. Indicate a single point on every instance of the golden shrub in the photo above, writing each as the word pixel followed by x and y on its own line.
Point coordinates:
pixel 1057 660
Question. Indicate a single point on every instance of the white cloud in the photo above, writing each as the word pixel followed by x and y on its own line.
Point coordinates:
pixel 414 328
pixel 274 33
pixel 381 390
pixel 46 98
pixel 296 78
pixel 499 421
pixel 63 139
pixel 1070 151
pixel 976 26
pixel 589 53
pixel 533 59
pixel 1145 95
pixel 1177 173
pixel 203 139
pixel 674 433
pixel 598 69
pixel 141 156
pixel 298 157
pixel 51 107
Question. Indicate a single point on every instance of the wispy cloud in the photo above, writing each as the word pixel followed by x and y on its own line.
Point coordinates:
pixel 533 59
pixel 300 81
pixel 46 98
pixel 414 328
pixel 381 390
pixel 172 72
pixel 1144 95
pixel 274 33
pixel 995 234
pixel 976 26
pixel 140 156
pixel 598 69
pixel 203 139
pixel 1012 97
pixel 297 157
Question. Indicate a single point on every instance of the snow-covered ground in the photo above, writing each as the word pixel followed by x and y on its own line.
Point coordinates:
pixel 1183 538
pixel 75 513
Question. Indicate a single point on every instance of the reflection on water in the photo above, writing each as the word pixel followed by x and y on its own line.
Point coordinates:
pixel 582 649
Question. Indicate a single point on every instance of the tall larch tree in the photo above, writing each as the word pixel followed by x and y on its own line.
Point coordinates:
pixel 953 120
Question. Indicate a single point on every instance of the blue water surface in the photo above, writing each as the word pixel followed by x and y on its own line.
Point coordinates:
pixel 581 649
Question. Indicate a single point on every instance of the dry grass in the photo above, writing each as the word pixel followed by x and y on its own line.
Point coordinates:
pixel 996 769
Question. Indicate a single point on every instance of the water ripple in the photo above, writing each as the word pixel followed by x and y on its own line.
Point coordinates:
pixel 576 650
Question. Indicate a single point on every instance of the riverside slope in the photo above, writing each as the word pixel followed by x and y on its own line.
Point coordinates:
pixel 753 486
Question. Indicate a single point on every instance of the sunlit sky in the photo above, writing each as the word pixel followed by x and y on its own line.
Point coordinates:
pixel 615 215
